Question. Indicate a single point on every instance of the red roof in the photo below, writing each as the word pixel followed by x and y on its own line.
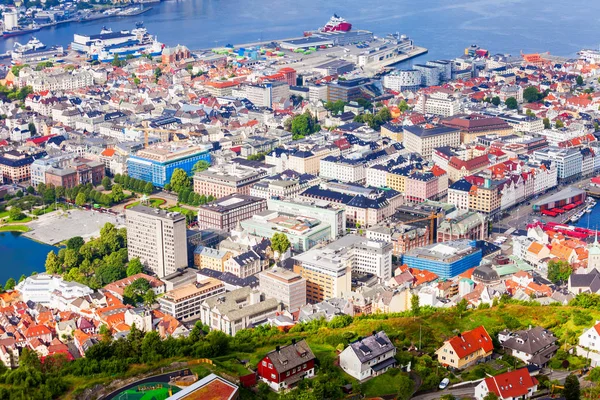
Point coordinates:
pixel 37 331
pixel 471 341
pixel 510 385
pixel 40 140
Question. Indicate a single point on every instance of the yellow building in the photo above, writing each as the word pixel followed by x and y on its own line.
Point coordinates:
pixel 396 179
pixel 327 275
pixel 466 349
pixel 392 131
pixel 206 257
pixel 484 199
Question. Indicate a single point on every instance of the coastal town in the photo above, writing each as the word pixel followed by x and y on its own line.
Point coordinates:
pixel 299 219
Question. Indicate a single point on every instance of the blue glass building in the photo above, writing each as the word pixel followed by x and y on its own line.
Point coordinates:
pixel 158 170
pixel 446 259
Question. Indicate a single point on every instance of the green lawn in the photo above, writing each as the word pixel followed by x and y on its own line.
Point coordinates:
pixel 381 385
pixel 180 209
pixel 14 228
pixel 18 221
pixel 156 203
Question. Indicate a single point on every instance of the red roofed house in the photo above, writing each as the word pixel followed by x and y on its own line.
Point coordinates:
pixel 40 332
pixel 466 349
pixel 516 384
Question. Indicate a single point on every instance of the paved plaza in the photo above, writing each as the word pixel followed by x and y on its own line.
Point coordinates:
pixel 62 225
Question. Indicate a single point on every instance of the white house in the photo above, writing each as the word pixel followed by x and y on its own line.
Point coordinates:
pixel 589 344
pixel 512 385
pixel 367 357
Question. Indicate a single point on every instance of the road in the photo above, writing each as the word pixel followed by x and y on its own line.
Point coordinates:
pixel 458 393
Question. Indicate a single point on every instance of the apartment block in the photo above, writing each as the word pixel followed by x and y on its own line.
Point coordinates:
pixel 284 285
pixel 157 238
pixel 224 180
pixel 185 302
pixel 423 140
pixel 225 213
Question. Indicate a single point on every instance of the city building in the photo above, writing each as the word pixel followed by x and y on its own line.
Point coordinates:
pixel 236 310
pixel 438 103
pixel 211 386
pixel 463 225
pixel 285 366
pixel 157 238
pixel 447 259
pixel 78 171
pixel 263 95
pixel 401 80
pixel 223 180
pixel 224 213
pixel 118 287
pixel 156 163
pixel 16 167
pixel 332 216
pixel 51 290
pixel 423 140
pixel 354 89
pixel 303 232
pixel 402 237
pixel 466 349
pixel 284 285
pixel 430 75
pixel 328 269
pixel 367 357
pixel 568 161
pixel 207 257
pixel 475 125
pixel 185 302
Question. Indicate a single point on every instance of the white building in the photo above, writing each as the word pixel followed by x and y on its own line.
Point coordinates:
pixel 185 302
pixel 568 161
pixel 589 344
pixel 401 80
pixel 438 103
pixel 368 357
pixel 51 290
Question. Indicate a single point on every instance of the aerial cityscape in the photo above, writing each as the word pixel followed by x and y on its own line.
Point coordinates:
pixel 361 201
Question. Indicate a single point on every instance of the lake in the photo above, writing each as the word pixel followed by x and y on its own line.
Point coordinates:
pixel 444 27
pixel 20 255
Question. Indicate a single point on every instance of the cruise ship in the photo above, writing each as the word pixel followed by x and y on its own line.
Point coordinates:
pixel 34 51
pixel 105 45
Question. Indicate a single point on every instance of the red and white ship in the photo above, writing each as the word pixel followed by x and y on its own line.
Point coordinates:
pixel 335 24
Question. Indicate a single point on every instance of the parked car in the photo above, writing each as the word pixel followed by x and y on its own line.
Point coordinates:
pixel 444 383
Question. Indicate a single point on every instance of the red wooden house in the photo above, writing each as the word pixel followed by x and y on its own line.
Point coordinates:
pixel 285 366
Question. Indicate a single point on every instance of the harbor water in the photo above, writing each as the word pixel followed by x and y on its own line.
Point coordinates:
pixel 21 256
pixel 445 28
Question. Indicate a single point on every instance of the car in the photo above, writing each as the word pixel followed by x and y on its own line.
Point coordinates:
pixel 444 383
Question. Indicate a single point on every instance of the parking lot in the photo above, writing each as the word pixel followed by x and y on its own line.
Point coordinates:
pixel 62 225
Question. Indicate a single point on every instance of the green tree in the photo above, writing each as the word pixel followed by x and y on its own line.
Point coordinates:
pixel 151 347
pixel 81 199
pixel 405 387
pixel 461 307
pixel 10 284
pixel 201 165
pixel 491 396
pixel 32 129
pixel 52 263
pixel 511 103
pixel 547 124
pixel 496 100
pixel 15 213
pixel 403 106
pixel 106 183
pixel 22 278
pixel 135 267
pixel 180 180
pixel 531 94
pixel 572 389
pixel 559 124
pixel 148 188
pixel 580 82
pixel 280 243
pixel 336 107
pixel 60 192
pixel 75 243
pixel 30 189
pixel 415 308
pixel 559 271
pixel 117 193
pixel 149 298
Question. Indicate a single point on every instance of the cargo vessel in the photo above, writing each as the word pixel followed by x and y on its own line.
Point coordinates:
pixel 20 31
pixel 335 24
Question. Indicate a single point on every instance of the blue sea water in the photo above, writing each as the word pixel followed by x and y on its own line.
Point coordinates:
pixel 21 256
pixel 444 27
